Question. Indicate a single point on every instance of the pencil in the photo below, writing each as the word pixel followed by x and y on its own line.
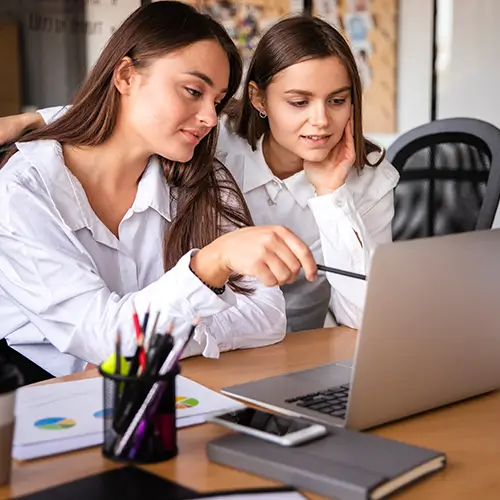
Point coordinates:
pixel 137 325
pixel 134 365
pixel 341 272
pixel 155 322
pixel 152 332
pixel 118 354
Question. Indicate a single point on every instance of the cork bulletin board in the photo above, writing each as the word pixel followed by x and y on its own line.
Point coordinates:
pixel 371 28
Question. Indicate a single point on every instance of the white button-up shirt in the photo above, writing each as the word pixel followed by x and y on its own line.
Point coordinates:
pixel 67 283
pixel 328 224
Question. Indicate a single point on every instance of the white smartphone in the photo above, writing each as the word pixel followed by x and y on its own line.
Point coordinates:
pixel 279 429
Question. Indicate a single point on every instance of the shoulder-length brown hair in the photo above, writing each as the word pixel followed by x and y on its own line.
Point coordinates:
pixel 208 199
pixel 289 41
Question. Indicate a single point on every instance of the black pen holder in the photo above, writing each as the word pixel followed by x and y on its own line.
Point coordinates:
pixel 155 437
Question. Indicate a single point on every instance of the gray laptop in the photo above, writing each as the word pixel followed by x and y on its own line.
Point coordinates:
pixel 430 336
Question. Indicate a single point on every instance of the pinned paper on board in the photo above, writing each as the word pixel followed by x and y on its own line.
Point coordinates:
pixel 358 5
pixel 362 57
pixel 245 22
pixel 358 22
pixel 296 6
pixel 242 21
pixel 357 27
pixel 328 11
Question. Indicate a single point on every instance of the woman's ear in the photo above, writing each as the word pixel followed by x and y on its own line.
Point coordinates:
pixel 257 98
pixel 122 75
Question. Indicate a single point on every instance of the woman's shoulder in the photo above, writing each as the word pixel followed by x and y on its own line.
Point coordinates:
pixel 229 142
pixel 30 177
pixel 18 173
pixel 232 150
pixel 374 181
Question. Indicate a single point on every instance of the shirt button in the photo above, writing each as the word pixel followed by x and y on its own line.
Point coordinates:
pixel 340 203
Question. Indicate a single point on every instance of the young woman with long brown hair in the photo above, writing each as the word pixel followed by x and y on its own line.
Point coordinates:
pixel 295 145
pixel 88 202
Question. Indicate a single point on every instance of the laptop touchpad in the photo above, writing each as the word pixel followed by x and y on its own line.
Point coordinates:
pixel 323 377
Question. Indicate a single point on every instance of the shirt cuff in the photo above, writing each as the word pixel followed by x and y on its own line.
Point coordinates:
pixel 338 222
pixel 341 200
pixel 189 297
pixel 180 295
pixel 51 114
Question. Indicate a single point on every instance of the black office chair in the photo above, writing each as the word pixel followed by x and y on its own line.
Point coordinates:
pixel 450 178
pixel 30 371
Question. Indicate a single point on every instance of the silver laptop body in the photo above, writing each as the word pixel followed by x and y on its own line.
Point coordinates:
pixel 430 336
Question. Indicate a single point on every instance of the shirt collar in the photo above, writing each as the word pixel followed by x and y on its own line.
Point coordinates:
pixel 63 187
pixel 153 190
pixel 257 173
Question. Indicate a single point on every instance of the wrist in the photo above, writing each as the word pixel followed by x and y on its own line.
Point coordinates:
pixel 330 188
pixel 31 120
pixel 206 265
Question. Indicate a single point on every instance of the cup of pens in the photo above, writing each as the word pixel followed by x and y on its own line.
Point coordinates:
pixel 139 400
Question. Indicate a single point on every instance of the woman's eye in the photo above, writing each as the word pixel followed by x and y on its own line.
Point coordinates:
pixel 194 92
pixel 298 104
pixel 338 101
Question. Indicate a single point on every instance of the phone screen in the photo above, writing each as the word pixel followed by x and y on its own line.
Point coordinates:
pixel 267 422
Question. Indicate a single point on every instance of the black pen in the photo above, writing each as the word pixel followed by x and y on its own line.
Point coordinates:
pixel 145 322
pixel 158 353
pixel 327 269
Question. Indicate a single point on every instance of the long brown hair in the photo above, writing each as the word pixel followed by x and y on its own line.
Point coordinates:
pixel 289 41
pixel 208 199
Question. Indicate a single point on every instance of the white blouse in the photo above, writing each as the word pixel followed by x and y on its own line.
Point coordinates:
pixel 364 204
pixel 67 283
pixel 328 224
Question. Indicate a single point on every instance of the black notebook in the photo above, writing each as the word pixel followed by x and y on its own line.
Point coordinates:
pixel 345 465
pixel 129 483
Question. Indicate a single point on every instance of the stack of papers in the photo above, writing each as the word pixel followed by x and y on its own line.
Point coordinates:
pixel 65 416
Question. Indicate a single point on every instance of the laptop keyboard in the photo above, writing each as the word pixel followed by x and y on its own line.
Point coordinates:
pixel 330 401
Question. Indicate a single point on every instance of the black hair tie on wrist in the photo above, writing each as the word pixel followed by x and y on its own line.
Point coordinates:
pixel 217 290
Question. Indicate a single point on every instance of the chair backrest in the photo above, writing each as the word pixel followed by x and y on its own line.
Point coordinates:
pixel 450 178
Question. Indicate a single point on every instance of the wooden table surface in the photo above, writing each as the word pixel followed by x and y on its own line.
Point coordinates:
pixel 468 432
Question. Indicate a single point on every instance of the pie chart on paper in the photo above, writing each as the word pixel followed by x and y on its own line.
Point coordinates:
pixel 182 402
pixel 55 423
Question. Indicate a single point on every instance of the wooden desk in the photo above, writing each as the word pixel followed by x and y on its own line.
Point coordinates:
pixel 468 432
